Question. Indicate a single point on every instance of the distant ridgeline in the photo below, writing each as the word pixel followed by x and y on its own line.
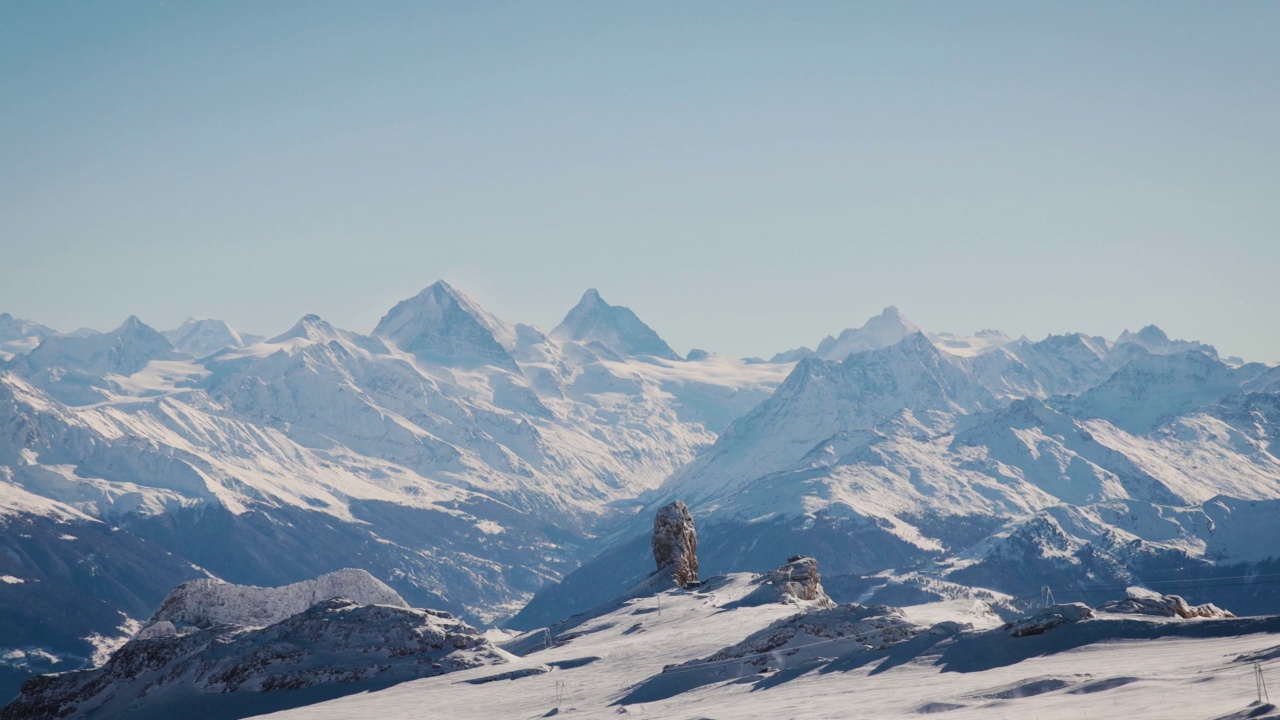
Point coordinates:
pixel 474 464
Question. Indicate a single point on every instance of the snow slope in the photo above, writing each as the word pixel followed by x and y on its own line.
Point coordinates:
pixel 704 656
pixel 201 338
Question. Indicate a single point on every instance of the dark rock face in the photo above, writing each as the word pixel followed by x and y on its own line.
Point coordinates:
pixel 675 543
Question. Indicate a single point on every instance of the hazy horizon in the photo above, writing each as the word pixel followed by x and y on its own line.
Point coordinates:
pixel 748 178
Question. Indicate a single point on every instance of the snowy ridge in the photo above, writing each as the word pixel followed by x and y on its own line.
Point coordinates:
pixel 332 647
pixel 201 338
pixel 704 655
pixel 18 336
pixel 199 604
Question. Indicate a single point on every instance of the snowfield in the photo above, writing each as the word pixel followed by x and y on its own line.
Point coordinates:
pixel 594 664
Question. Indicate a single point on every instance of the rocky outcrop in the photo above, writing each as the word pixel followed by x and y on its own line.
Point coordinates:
pixel 675 543
pixel 338 643
pixel 798 579
pixel 796 582
pixel 1163 606
pixel 1050 618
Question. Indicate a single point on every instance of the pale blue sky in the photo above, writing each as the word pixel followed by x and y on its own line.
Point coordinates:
pixel 747 177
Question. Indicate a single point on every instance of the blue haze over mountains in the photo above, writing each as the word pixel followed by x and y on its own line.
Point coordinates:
pixel 507 474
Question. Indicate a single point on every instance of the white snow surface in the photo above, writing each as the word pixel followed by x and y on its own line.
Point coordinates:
pixel 206 602
pixel 598 662
pixel 201 338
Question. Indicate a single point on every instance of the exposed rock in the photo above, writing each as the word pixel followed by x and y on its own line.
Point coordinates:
pixel 796 582
pixel 1050 618
pixel 799 579
pixel 675 543
pixel 1163 606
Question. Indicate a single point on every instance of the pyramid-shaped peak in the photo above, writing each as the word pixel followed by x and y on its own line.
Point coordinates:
pixel 133 324
pixel 883 330
pixel 310 327
pixel 443 325
pixel 613 326
pixel 135 331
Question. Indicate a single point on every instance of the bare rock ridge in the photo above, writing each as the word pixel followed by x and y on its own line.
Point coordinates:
pixel 675 543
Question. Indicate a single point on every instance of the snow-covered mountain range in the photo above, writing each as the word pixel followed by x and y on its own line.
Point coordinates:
pixel 1072 461
pixel 471 463
pixel 467 460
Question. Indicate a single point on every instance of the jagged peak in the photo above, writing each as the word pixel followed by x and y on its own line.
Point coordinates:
pixel 442 324
pixel 615 327
pixel 1151 332
pixel 309 327
pixel 1155 340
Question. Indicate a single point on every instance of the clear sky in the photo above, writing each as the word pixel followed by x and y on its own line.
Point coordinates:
pixel 748 177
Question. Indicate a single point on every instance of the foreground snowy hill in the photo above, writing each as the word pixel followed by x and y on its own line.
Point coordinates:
pixel 703 653
pixel 232 650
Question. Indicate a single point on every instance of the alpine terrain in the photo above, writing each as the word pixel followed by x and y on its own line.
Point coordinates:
pixel 279 521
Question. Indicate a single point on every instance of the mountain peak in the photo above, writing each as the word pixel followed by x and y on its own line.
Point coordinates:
pixel 883 330
pixel 309 326
pixel 613 326
pixel 1157 341
pixel 1151 332
pixel 132 324
pixel 441 324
